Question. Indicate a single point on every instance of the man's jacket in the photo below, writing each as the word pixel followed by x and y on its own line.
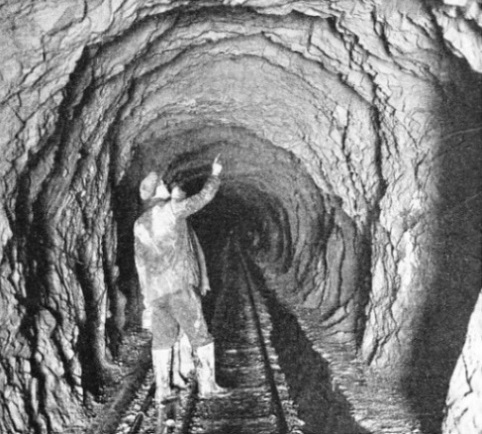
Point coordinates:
pixel 168 255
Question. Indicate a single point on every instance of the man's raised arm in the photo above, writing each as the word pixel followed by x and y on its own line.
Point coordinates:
pixel 194 203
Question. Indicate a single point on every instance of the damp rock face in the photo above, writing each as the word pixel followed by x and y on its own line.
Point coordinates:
pixel 350 136
pixel 465 393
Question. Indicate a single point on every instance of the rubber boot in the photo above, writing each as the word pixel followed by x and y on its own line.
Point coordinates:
pixel 161 361
pixel 206 373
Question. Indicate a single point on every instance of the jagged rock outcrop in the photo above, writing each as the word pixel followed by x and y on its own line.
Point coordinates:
pixel 350 133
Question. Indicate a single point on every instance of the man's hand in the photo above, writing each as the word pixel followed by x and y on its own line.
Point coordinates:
pixel 205 289
pixel 217 166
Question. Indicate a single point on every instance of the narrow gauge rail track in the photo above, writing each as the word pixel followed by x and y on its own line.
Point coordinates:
pixel 246 362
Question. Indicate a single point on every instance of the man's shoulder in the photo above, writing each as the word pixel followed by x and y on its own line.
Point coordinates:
pixel 148 212
pixel 158 212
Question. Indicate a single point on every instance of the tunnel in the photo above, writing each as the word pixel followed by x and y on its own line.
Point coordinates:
pixel 350 138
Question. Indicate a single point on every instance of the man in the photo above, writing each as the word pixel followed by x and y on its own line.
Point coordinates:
pixel 172 272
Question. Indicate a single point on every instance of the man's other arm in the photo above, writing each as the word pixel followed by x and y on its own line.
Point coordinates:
pixel 194 203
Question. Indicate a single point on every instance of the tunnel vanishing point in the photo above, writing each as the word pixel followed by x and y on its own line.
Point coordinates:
pixel 350 133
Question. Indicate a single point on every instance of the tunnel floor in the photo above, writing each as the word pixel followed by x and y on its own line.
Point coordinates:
pixel 295 380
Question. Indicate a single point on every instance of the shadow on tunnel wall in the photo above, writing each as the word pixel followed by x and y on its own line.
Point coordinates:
pixel 452 277
pixel 126 210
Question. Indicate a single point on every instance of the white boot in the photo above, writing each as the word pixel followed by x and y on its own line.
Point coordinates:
pixel 161 362
pixel 206 373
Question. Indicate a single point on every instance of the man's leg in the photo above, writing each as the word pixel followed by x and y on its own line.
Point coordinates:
pixel 188 312
pixel 207 373
pixel 183 362
pixel 161 362
pixel 165 331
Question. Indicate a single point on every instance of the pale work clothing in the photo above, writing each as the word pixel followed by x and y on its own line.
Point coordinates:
pixel 172 269
pixel 173 313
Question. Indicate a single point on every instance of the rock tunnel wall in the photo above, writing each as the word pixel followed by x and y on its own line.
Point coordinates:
pixel 354 127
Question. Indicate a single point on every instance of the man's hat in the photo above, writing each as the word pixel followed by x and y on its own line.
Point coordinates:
pixel 148 186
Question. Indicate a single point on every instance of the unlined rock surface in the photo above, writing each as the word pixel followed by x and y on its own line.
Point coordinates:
pixel 350 136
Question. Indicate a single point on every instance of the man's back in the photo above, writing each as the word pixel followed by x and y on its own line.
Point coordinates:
pixel 165 256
